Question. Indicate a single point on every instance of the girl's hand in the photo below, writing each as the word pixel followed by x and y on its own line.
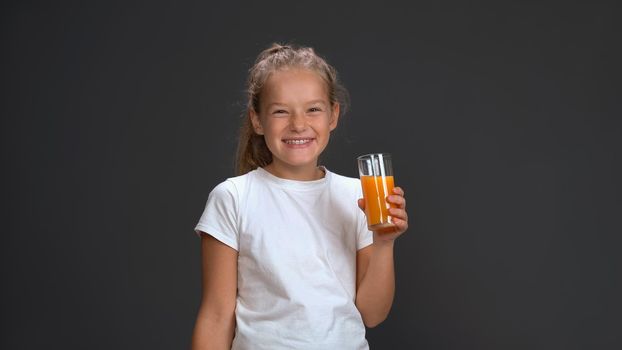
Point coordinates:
pixel 399 217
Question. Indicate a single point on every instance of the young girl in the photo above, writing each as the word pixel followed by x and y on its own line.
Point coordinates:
pixel 288 261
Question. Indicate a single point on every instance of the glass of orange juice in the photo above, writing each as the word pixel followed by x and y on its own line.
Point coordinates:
pixel 376 174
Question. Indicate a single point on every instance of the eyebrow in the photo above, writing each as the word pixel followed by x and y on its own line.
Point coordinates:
pixel 276 104
pixel 285 104
pixel 317 101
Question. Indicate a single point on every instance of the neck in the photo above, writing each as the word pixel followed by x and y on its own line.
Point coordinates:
pixel 305 173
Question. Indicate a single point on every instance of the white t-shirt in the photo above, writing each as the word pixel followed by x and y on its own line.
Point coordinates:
pixel 297 244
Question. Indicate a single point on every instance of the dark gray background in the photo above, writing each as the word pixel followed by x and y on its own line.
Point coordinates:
pixel 504 120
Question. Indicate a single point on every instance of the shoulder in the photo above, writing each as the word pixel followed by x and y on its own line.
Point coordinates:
pixel 345 183
pixel 350 181
pixel 231 186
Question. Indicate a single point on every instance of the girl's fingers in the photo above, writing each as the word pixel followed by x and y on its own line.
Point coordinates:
pixel 398 197
pixel 361 204
pixel 398 227
pixel 401 224
pixel 399 217
pixel 398 213
pixel 397 200
pixel 398 191
pixel 400 220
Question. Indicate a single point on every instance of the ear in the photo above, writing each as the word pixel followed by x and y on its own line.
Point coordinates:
pixel 256 122
pixel 334 118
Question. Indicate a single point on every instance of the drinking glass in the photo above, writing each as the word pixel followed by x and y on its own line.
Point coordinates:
pixel 376 173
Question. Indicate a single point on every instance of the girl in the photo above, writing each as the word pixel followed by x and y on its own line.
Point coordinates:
pixel 287 259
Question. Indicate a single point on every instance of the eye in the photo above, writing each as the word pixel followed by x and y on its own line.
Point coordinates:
pixel 315 109
pixel 279 112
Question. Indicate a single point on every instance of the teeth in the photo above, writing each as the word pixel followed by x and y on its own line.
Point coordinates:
pixel 297 142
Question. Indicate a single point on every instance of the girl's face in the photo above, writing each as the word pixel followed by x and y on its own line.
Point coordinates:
pixel 296 118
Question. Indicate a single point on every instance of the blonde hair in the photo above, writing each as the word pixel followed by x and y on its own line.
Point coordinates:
pixel 252 149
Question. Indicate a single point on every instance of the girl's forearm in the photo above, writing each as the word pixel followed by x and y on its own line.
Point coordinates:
pixel 375 293
pixel 213 333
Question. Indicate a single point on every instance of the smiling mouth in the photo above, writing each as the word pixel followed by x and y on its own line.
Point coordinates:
pixel 297 141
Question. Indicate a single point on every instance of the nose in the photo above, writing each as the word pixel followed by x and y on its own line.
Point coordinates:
pixel 298 122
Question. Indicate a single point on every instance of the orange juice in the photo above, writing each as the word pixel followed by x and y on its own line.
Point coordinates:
pixel 375 191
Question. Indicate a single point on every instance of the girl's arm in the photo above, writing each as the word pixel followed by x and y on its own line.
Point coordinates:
pixel 215 323
pixel 375 274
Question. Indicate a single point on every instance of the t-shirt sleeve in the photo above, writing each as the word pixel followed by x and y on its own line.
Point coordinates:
pixel 364 236
pixel 220 217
